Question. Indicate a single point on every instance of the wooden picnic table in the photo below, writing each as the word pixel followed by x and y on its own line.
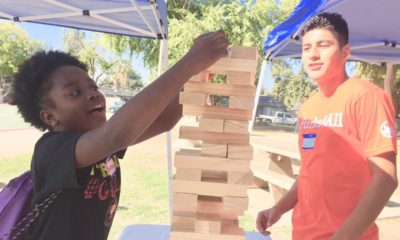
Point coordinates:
pixel 273 162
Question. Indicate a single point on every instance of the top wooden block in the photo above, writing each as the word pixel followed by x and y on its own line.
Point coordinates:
pixel 250 53
pixel 241 59
pixel 225 65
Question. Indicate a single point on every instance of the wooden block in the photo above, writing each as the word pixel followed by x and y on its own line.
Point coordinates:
pixel 218 112
pixel 209 188
pixel 233 126
pixel 244 52
pixel 225 65
pixel 211 124
pixel 215 176
pixel 212 137
pixel 240 178
pixel 208 223
pixel 214 150
pixel 208 226
pixel 243 152
pixel 188 174
pixel 215 205
pixel 176 235
pixel 207 205
pixel 231 228
pixel 183 221
pixel 235 204
pixel 221 89
pixel 193 160
pixel 239 102
pixel 193 98
pixel 241 78
pixel 185 202
pixel 200 77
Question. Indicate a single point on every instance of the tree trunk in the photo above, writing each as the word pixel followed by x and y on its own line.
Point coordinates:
pixel 389 79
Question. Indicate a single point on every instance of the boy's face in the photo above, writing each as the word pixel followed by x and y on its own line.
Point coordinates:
pixel 77 103
pixel 323 58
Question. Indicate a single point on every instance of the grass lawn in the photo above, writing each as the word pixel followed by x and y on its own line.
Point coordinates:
pixel 144 194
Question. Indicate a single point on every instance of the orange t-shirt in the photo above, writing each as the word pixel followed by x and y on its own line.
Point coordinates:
pixel 336 136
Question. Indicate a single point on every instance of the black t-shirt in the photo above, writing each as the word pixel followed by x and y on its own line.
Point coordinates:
pixel 89 196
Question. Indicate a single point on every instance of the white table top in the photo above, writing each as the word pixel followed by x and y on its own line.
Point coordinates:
pixel 161 232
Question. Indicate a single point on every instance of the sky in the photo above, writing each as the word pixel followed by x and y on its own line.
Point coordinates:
pixel 52 37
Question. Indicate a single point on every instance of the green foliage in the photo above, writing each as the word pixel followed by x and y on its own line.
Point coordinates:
pixel 291 88
pixel 376 74
pixel 73 41
pixel 245 24
pixel 15 48
pixel 115 72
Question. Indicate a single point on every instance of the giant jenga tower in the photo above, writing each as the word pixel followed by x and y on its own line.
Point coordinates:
pixel 210 185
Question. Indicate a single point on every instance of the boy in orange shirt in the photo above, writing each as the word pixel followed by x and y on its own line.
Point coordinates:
pixel 347 143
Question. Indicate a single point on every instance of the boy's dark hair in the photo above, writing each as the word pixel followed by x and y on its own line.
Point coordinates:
pixel 331 21
pixel 30 84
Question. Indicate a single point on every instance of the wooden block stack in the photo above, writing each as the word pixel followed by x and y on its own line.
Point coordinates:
pixel 210 185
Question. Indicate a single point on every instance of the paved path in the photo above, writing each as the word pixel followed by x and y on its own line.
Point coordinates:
pixel 18 141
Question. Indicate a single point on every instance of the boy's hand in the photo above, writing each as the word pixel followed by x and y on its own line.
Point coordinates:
pixel 267 218
pixel 206 50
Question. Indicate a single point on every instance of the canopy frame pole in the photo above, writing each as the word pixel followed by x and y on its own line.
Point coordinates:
pixel 5 15
pixel 363 46
pixel 162 67
pixel 124 25
pixel 139 11
pixel 261 78
pixel 158 17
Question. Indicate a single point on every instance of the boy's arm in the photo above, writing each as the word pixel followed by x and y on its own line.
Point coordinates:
pixel 135 117
pixel 268 217
pixel 377 194
pixel 289 200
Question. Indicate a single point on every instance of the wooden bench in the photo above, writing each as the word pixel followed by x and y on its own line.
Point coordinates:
pixel 274 165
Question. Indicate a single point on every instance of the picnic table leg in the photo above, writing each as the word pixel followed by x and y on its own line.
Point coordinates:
pixel 281 165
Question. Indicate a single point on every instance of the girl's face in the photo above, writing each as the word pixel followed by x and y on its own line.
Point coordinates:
pixel 77 104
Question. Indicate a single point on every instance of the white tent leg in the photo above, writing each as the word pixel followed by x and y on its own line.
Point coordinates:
pixel 258 91
pixel 162 67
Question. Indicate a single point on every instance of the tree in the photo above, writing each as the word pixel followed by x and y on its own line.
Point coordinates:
pixel 246 24
pixel 73 41
pixel 291 88
pixel 76 44
pixel 122 76
pixel 114 72
pixel 15 48
pixel 377 75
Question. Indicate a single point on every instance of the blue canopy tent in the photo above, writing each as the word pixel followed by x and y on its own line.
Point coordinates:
pixel 136 18
pixel 373 27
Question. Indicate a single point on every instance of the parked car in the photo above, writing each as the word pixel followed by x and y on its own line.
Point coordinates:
pixel 115 106
pixel 284 118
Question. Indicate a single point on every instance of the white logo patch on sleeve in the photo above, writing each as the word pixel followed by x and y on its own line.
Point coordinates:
pixel 386 130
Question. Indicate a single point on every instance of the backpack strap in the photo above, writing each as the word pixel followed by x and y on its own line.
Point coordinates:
pixel 31 217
